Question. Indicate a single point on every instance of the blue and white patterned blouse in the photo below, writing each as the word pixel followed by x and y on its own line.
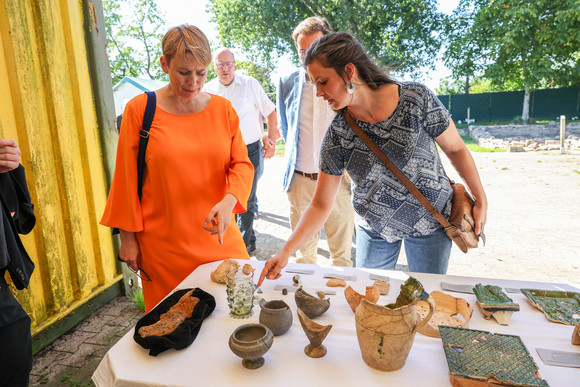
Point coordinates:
pixel 382 204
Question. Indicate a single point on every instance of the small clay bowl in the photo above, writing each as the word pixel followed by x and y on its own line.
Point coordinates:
pixel 310 305
pixel 251 342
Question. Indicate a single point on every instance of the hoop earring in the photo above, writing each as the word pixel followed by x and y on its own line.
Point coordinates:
pixel 350 87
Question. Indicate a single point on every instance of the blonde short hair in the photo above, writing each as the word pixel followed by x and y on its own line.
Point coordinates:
pixel 184 39
pixel 311 25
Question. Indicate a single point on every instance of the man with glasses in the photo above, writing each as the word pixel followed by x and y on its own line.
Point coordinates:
pixel 251 103
pixel 303 119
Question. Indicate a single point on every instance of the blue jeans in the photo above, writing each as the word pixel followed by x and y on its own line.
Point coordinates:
pixel 426 254
pixel 246 220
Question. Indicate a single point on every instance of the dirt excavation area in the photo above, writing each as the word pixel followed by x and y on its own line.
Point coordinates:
pixel 533 226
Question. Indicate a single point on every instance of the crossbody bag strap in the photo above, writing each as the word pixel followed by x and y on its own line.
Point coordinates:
pixel 144 138
pixel 396 171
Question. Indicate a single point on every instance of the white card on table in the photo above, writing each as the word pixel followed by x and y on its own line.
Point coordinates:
pixel 461 288
pixel 345 277
pixel 289 288
pixel 379 277
pixel 299 271
pixel 559 358
pixel 326 291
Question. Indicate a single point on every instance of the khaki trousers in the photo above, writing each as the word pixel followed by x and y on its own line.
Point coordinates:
pixel 339 226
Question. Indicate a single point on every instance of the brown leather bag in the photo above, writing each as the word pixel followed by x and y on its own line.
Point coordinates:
pixel 460 227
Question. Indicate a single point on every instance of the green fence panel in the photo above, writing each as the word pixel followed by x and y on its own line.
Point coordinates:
pixel 506 106
pixel 552 103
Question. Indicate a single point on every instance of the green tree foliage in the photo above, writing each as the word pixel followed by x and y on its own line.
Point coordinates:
pixel 401 33
pixel 262 75
pixel 533 43
pixel 478 85
pixel 516 44
pixel 134 32
pixel 462 55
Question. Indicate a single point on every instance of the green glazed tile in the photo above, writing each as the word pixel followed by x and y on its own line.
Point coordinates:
pixel 480 355
pixel 558 306
pixel 492 297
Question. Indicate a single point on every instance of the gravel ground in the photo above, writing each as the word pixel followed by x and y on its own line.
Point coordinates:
pixel 533 218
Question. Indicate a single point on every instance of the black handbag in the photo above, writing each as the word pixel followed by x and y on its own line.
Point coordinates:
pixel 17 218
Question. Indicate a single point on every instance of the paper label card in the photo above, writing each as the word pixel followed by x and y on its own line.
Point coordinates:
pixel 461 288
pixel 379 277
pixel 559 358
pixel 345 277
pixel 289 288
pixel 299 271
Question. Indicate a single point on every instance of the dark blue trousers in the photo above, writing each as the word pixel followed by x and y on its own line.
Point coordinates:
pixel 246 220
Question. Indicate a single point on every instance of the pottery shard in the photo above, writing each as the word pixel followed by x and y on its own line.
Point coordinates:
pixel 449 311
pixel 172 319
pixel 383 286
pixel 353 298
pixel 219 274
pixel 334 282
pixel 576 335
pixel 247 269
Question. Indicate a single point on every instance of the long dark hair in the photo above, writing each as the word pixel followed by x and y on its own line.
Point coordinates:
pixel 338 49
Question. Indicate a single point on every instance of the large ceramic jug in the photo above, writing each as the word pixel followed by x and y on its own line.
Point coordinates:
pixel 276 315
pixel 385 336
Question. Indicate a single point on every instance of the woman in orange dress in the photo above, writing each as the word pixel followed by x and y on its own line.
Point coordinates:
pixel 197 174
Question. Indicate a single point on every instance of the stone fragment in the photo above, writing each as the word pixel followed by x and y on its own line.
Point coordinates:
pixel 219 274
pixel 383 286
pixel 334 282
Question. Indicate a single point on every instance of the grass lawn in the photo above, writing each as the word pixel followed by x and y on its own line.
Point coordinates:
pixel 475 147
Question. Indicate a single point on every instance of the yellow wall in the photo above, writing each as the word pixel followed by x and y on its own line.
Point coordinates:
pixel 46 104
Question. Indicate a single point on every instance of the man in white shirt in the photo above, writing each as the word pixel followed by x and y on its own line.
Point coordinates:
pixel 251 103
pixel 303 119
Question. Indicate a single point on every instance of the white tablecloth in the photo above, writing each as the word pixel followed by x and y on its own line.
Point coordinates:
pixel 208 361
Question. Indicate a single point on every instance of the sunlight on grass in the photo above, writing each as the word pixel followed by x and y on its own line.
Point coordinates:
pixel 475 147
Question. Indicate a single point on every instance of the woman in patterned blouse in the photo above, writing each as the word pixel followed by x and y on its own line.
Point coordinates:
pixel 406 120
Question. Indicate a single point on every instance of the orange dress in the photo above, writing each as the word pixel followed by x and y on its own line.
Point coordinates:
pixel 192 161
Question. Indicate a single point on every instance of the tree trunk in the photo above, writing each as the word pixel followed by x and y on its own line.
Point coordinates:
pixel 467 84
pixel 526 109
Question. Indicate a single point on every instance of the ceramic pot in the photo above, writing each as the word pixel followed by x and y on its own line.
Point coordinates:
pixel 310 305
pixel 251 342
pixel 315 333
pixel 240 293
pixel 385 335
pixel 276 315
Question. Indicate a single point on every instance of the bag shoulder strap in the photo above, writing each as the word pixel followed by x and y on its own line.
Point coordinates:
pixel 396 171
pixel 144 138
